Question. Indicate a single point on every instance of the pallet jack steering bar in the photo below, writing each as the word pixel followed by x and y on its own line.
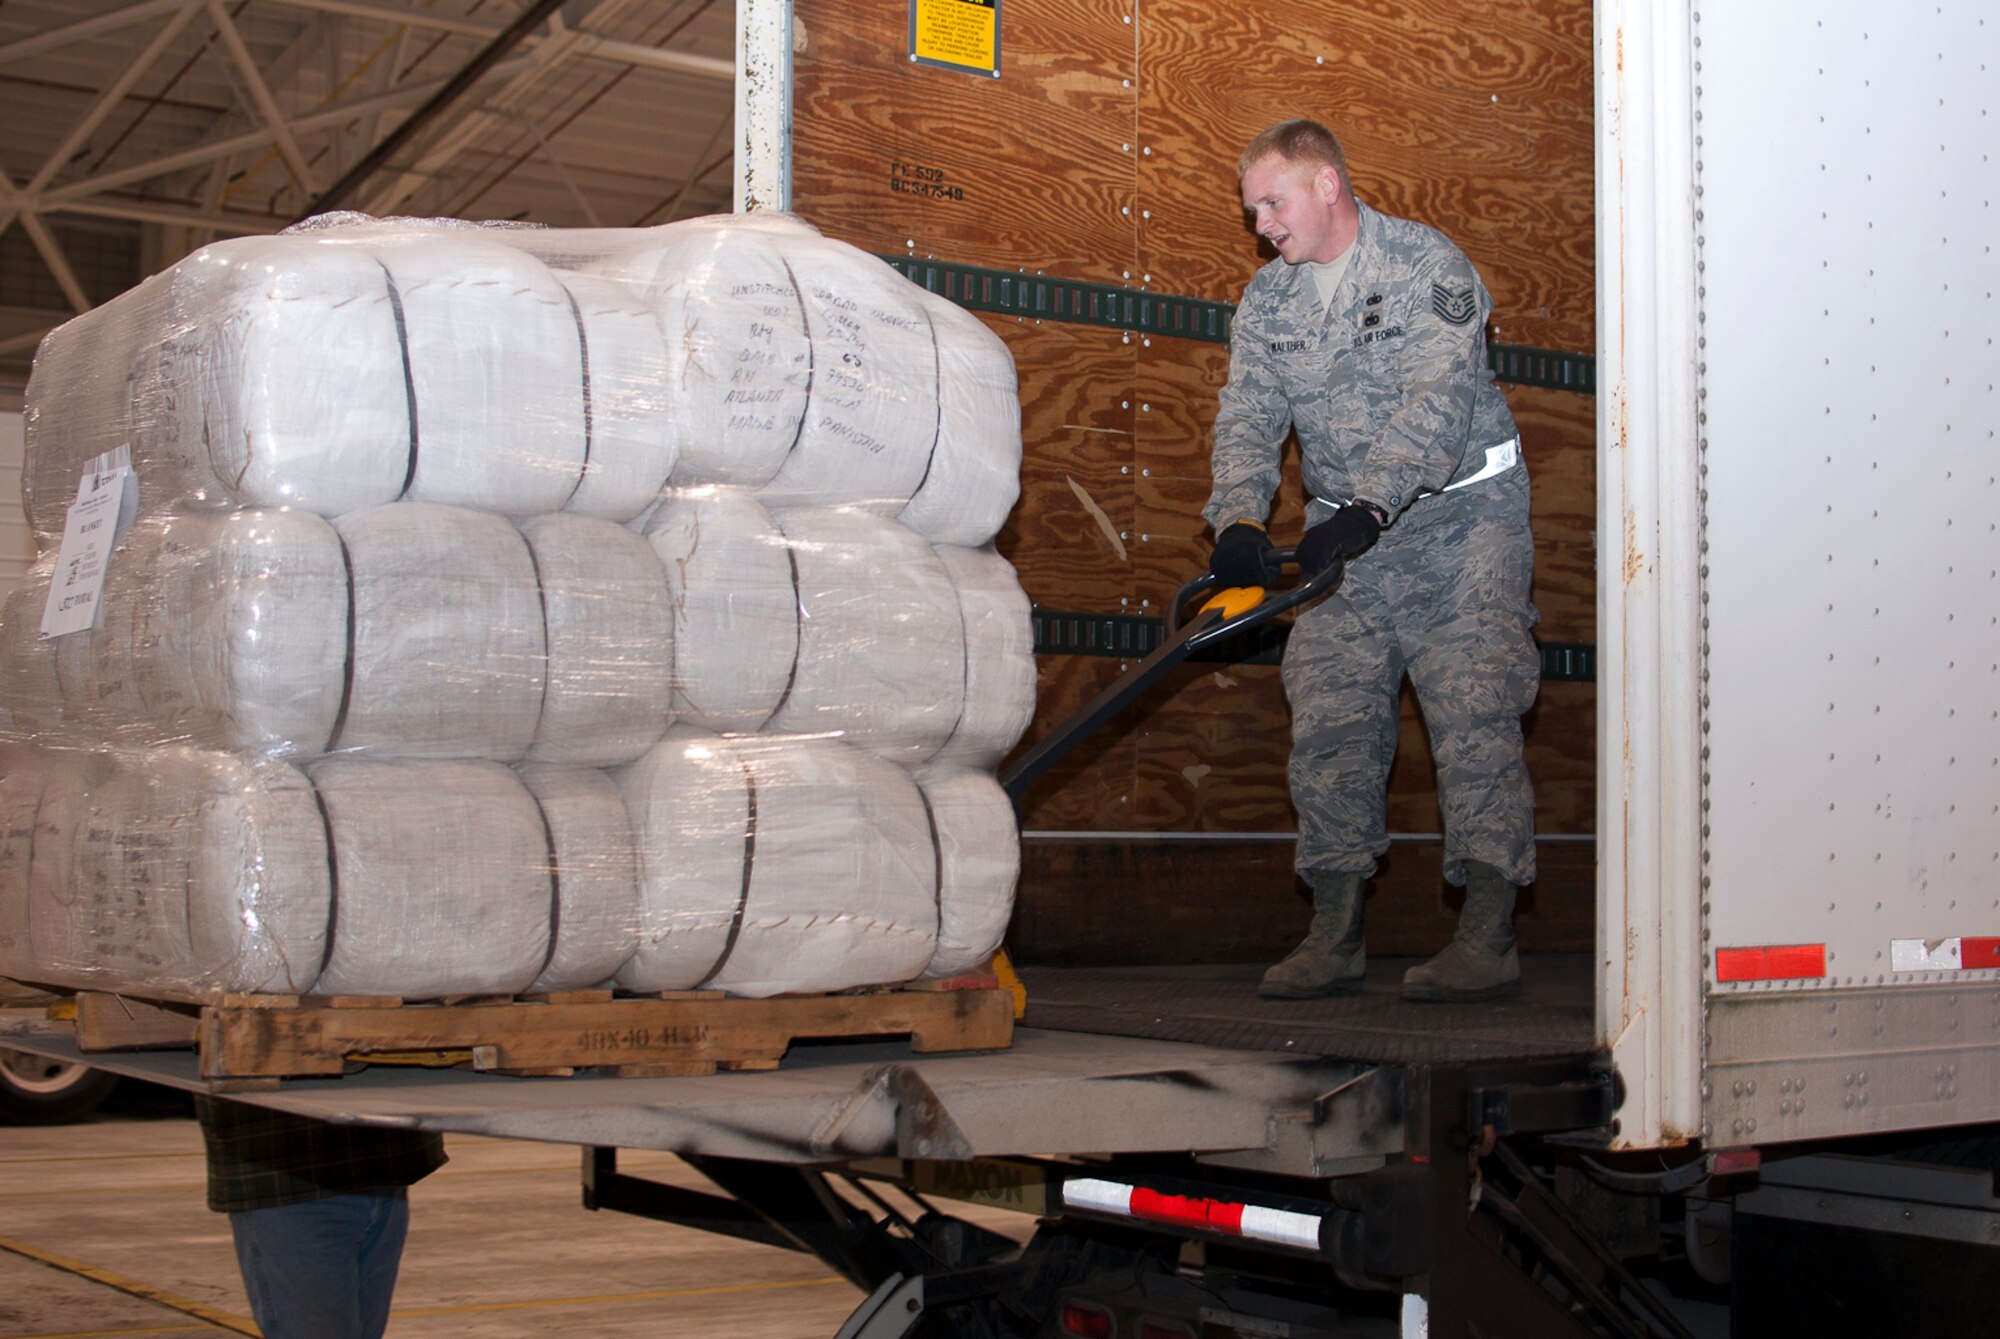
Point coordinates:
pixel 1224 614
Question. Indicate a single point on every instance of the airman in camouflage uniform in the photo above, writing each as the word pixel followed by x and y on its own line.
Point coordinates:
pixel 1411 457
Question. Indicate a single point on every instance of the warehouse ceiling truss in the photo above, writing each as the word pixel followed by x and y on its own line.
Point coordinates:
pixel 145 129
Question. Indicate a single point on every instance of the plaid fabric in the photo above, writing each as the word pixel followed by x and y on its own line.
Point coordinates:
pixel 261 1159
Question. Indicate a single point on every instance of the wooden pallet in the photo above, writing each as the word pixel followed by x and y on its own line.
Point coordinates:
pixel 251 1042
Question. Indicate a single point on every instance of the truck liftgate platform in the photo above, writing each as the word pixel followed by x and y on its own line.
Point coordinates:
pixel 1359 1121
pixel 1106 1061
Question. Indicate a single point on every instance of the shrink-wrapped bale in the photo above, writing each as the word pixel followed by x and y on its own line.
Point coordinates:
pixel 610 630
pixel 449 656
pixel 999 658
pixel 689 801
pixel 974 476
pixel 786 427
pixel 30 693
pixel 775 864
pixel 20 800
pixel 740 357
pixel 628 408
pixel 219 629
pixel 61 936
pixel 881 646
pixel 840 887
pixel 444 878
pixel 871 421
pixel 735 606
pixel 174 871
pixel 260 371
pixel 596 865
pixel 78 406
pixel 495 366
pixel 979 865
pixel 360 362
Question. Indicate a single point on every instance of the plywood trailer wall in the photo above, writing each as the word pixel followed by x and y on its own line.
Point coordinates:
pixel 1105 152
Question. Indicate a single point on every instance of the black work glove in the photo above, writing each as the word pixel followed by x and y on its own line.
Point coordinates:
pixel 1242 556
pixel 1348 533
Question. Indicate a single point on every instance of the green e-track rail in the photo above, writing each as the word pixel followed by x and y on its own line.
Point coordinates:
pixel 1040 297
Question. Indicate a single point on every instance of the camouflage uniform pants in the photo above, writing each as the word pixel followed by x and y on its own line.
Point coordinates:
pixel 1447 604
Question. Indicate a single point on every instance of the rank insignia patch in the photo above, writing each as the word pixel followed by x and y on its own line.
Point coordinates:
pixel 1456 305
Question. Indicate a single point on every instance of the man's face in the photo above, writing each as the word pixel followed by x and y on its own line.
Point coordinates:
pixel 1292 205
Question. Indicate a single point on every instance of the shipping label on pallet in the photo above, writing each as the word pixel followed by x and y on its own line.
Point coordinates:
pixel 107 498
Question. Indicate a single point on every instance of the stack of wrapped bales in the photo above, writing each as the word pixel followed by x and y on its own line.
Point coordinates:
pixel 518 609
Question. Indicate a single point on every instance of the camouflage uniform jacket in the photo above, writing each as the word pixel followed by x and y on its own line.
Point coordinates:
pixel 1388 388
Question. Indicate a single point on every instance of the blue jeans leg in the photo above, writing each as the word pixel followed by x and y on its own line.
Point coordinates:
pixel 325 1269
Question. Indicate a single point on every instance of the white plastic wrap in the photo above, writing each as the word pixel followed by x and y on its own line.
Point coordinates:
pixel 629 412
pixel 979 865
pixel 673 520
pixel 496 370
pixel 79 404
pixel 281 377
pixel 181 871
pixel 690 804
pixel 610 630
pixel 31 703
pixel 596 869
pixel 999 658
pixel 450 657
pixel 443 878
pixel 840 885
pixel 20 801
pixel 739 355
pixel 881 647
pixel 778 864
pixel 329 371
pixel 359 362
pixel 973 477
pixel 219 629
pixel 871 421
pixel 263 371
pixel 735 603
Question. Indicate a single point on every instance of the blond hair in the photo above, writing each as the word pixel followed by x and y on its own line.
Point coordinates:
pixel 1297 141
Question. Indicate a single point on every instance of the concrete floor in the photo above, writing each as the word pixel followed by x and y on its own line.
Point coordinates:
pixel 500 1245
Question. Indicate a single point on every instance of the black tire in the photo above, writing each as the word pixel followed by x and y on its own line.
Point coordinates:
pixel 35 1090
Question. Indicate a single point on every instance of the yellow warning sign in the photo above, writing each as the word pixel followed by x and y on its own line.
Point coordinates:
pixel 956 34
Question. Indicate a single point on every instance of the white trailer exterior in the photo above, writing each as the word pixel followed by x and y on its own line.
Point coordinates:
pixel 1799 799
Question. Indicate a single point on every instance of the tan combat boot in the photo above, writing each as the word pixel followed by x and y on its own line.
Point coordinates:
pixel 1332 960
pixel 1480 962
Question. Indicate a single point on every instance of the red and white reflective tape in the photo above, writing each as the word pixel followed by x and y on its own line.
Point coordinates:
pixel 1771 962
pixel 1956 954
pixel 1796 962
pixel 1280 1227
